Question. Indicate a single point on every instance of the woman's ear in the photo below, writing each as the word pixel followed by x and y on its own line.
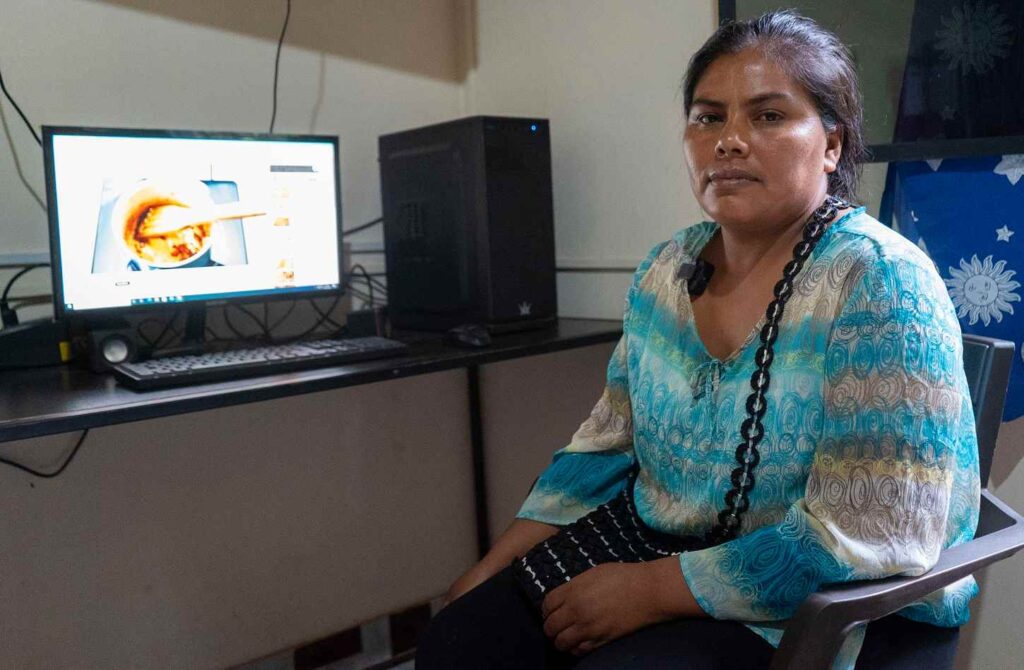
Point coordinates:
pixel 833 149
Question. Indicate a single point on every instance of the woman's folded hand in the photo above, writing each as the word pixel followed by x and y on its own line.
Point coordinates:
pixel 615 599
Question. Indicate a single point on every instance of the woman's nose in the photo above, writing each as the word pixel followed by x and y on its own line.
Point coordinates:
pixel 731 143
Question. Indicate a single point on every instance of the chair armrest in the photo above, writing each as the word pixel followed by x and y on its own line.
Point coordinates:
pixel 815 633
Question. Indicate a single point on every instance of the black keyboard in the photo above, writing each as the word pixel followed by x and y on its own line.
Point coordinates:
pixel 264 360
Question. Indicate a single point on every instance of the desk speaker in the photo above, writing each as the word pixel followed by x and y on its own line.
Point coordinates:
pixel 110 347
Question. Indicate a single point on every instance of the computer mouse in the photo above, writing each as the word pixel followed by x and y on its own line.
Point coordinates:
pixel 469 335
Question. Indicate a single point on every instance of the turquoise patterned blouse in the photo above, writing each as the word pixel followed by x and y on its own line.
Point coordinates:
pixel 869 464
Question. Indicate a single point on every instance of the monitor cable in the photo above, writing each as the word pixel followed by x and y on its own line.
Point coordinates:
pixel 277 61
pixel 49 475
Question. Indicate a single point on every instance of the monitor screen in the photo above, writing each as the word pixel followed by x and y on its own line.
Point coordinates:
pixel 143 218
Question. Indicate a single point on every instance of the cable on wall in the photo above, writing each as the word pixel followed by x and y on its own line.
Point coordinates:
pixel 24 118
pixel 49 475
pixel 277 61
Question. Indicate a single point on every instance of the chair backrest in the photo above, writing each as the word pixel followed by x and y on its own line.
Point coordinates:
pixel 987 362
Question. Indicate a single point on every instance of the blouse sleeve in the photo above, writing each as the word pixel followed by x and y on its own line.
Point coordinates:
pixel 593 468
pixel 894 475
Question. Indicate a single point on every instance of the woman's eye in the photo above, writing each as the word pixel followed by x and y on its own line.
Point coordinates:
pixel 705 119
pixel 770 116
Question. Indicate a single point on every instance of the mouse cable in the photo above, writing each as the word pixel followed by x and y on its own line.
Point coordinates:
pixel 277 61
pixel 24 118
pixel 49 475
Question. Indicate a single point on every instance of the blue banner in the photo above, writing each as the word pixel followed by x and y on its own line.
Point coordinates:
pixel 966 214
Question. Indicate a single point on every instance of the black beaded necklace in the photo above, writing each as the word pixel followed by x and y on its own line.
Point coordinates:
pixel 698 275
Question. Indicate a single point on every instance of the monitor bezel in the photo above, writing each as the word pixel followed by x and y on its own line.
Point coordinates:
pixel 105 313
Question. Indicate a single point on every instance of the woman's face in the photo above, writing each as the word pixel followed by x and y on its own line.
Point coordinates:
pixel 758 155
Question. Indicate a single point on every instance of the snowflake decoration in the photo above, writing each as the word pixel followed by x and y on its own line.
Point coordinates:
pixel 982 290
pixel 973 37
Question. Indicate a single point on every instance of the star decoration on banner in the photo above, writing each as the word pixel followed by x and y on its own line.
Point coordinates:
pixel 1012 167
pixel 1003 234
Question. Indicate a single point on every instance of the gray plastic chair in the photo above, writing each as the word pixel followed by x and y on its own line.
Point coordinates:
pixel 814 634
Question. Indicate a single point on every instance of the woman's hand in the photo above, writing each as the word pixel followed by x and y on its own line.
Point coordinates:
pixel 615 599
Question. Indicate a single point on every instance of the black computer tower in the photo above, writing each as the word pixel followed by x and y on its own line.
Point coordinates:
pixel 469 224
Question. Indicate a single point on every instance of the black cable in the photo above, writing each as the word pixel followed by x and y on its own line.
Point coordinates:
pixel 231 326
pixel 255 319
pixel 324 315
pixel 8 316
pixel 369 280
pixel 140 331
pixel 357 293
pixel 371 277
pixel 19 273
pixel 18 109
pixel 49 475
pixel 277 61
pixel 284 317
pixel 369 224
pixel 168 328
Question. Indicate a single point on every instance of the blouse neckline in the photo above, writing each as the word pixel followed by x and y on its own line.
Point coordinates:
pixel 702 242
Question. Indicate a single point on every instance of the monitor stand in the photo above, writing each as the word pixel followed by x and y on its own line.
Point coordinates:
pixel 194 337
pixel 193 340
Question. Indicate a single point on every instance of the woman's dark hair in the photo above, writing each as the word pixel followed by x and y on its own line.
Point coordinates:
pixel 815 59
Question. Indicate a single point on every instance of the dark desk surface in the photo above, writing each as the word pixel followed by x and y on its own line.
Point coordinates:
pixel 44 401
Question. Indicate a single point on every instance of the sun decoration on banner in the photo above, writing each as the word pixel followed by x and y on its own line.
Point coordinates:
pixel 973 37
pixel 982 290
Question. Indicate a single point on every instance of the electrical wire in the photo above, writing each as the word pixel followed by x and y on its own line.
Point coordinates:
pixel 370 277
pixel 324 315
pixel 277 60
pixel 368 224
pixel 8 316
pixel 24 118
pixel 232 327
pixel 49 475
pixel 284 317
pixel 252 317
pixel 18 167
pixel 17 275
pixel 367 278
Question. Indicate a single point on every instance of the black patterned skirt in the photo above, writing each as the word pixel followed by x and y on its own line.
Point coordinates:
pixel 612 533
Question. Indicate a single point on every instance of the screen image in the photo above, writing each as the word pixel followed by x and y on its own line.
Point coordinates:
pixel 142 219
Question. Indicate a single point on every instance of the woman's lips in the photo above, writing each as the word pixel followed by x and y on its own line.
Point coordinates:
pixel 730 177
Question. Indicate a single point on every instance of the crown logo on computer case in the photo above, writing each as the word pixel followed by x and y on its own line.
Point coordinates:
pixel 524 308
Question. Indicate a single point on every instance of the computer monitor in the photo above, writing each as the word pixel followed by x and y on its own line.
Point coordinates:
pixel 144 219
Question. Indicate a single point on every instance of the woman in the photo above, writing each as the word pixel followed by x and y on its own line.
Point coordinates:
pixel 653 534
